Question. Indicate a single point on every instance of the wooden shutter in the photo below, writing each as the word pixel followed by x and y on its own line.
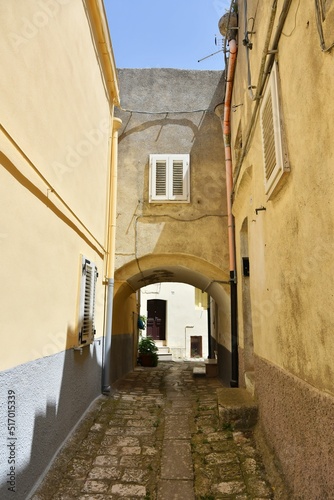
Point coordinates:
pixel 274 154
pixel 87 302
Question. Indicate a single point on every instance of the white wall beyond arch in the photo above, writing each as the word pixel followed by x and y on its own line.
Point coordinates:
pixel 184 318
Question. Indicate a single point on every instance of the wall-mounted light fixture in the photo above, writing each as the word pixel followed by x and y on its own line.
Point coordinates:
pixel 260 209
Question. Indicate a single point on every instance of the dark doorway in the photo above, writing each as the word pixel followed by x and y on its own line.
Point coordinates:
pixel 196 347
pixel 156 319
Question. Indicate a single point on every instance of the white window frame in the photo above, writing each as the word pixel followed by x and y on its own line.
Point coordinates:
pixel 86 320
pixel 169 181
pixel 275 157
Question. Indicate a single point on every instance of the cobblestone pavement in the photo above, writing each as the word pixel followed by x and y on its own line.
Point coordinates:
pixel 157 437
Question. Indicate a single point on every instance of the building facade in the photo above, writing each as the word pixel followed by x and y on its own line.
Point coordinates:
pixel 58 92
pixel 176 316
pixel 283 207
pixel 171 215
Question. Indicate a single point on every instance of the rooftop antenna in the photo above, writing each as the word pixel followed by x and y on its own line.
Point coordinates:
pixel 218 42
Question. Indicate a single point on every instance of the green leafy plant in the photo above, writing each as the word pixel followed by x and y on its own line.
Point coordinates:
pixel 147 346
pixel 147 352
pixel 142 322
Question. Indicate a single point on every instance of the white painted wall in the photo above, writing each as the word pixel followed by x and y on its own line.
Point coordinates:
pixel 181 313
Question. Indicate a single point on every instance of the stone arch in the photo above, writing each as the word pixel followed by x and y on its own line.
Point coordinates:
pixel 156 268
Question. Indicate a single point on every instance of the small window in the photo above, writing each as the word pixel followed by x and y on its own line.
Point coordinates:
pixel 169 178
pixel 275 157
pixel 201 299
pixel 87 302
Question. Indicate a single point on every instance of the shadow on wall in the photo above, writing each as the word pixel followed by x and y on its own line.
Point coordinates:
pixel 24 181
pixel 51 395
pixel 168 238
pixel 198 228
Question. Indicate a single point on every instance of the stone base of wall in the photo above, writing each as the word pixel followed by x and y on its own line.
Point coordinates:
pixel 224 364
pixel 122 357
pixel 241 367
pixel 297 423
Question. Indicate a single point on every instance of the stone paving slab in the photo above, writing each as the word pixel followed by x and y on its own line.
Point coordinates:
pixel 177 427
pixel 176 461
pixel 176 490
pixel 158 437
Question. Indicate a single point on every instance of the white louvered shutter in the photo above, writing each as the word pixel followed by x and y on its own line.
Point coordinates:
pixel 169 178
pixel 269 148
pixel 161 178
pixel 87 302
pixel 158 177
pixel 274 156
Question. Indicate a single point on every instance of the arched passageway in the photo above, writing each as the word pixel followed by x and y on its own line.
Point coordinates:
pixel 167 268
pixel 168 124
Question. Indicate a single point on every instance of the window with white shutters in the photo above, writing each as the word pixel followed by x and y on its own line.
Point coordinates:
pixel 87 302
pixel 169 178
pixel 274 154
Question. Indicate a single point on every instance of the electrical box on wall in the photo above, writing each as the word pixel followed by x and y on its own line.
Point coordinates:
pixel 245 266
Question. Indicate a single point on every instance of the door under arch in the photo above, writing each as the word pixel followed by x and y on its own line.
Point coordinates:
pixel 156 319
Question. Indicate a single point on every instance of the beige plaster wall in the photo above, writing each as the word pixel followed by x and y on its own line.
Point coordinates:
pixel 145 228
pixel 196 229
pixel 289 305
pixel 170 111
pixel 290 243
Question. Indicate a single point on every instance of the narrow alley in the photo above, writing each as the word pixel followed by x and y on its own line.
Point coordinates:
pixel 158 437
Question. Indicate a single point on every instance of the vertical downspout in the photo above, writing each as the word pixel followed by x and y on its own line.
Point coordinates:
pixel 209 330
pixel 226 125
pixel 111 256
pixel 230 218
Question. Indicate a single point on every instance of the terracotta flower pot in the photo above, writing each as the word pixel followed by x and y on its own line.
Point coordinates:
pixel 148 359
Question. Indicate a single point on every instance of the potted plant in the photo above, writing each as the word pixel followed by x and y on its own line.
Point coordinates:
pixel 141 322
pixel 147 352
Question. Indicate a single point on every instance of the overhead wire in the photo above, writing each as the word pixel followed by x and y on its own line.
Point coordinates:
pixel 293 29
pixel 142 112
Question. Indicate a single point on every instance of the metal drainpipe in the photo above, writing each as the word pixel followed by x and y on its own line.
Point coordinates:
pixel 273 10
pixel 209 330
pixel 264 73
pixel 111 256
pixel 224 111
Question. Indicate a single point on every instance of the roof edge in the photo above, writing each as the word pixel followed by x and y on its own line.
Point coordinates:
pixel 99 25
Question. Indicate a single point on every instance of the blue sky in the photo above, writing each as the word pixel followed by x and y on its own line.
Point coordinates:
pixel 166 34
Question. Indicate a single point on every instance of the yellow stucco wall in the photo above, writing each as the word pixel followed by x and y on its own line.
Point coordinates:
pixel 53 100
pixel 55 154
pixel 290 243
